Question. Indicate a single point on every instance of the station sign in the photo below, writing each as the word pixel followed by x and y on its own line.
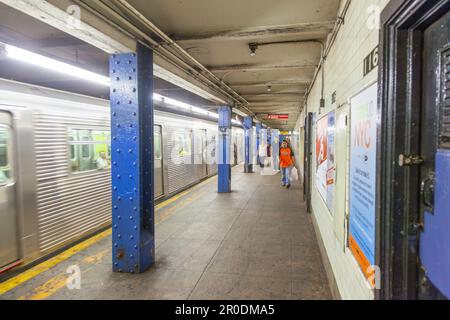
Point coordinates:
pixel 278 117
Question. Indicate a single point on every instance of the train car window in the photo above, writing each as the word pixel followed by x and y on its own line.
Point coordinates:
pixel 5 169
pixel 85 148
pixel 89 150
pixel 72 152
pixel 157 146
pixel 183 144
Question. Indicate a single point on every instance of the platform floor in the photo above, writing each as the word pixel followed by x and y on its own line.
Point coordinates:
pixel 256 243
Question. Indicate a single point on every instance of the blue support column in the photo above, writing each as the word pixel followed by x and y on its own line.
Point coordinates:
pixel 248 127
pixel 132 161
pixel 224 150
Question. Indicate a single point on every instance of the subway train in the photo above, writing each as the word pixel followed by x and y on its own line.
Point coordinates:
pixel 55 179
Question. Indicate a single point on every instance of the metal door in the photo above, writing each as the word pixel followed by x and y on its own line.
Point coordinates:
pixel 435 172
pixel 158 156
pixel 204 140
pixel 308 159
pixel 211 153
pixel 8 221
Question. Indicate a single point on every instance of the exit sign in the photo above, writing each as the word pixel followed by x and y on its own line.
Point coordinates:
pixel 278 116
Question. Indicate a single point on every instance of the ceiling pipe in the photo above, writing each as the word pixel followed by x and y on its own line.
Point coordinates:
pixel 168 41
pixel 242 102
pixel 143 37
pixel 256 45
pixel 339 22
pixel 167 55
pixel 324 51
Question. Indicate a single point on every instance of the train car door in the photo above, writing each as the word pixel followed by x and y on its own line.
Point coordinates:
pixel 9 251
pixel 204 153
pixel 435 173
pixel 198 153
pixel 159 185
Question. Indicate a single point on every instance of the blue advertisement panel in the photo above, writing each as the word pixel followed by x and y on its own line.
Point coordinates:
pixel 363 155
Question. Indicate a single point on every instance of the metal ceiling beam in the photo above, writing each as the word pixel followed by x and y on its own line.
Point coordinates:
pixel 259 68
pixel 277 108
pixel 276 94
pixel 279 83
pixel 276 104
pixel 56 42
pixel 101 34
pixel 319 29
pixel 54 13
pixel 175 52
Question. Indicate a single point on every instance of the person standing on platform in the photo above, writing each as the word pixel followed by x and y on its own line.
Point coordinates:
pixel 287 162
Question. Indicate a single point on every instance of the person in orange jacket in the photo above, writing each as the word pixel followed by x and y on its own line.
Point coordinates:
pixel 287 162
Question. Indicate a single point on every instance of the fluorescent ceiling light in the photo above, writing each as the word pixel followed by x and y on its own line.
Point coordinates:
pixel 54 65
pixel 61 67
pixel 184 106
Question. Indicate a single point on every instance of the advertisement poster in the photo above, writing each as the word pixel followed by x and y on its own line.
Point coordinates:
pixel 325 170
pixel 363 177
pixel 331 167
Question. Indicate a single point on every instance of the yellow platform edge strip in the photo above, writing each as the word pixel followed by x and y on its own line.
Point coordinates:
pixel 46 265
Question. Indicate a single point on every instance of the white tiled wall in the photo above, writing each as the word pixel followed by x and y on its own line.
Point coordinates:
pixel 344 74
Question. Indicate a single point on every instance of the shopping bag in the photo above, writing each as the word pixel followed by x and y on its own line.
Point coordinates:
pixel 294 174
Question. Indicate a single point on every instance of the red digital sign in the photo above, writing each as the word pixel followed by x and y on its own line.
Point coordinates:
pixel 278 116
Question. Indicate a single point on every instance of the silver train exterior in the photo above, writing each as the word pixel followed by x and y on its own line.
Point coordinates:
pixel 53 193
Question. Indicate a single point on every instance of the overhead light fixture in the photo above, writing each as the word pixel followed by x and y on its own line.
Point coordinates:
pixel 53 65
pixel 184 106
pixel 269 89
pixel 253 47
pixel 29 57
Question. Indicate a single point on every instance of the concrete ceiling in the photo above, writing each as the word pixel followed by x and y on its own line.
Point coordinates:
pixel 215 32
pixel 218 33
pixel 23 31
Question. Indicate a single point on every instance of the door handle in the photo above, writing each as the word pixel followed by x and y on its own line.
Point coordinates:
pixel 427 191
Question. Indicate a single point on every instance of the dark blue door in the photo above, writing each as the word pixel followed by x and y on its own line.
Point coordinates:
pixel 435 190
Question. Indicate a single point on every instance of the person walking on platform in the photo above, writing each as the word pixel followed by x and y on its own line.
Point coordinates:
pixel 287 161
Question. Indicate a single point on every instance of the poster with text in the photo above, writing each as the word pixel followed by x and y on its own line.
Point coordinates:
pixel 363 163
pixel 325 166
pixel 331 166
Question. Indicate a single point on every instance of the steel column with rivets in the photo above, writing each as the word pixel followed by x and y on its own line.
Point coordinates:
pixel 248 127
pixel 224 149
pixel 132 161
